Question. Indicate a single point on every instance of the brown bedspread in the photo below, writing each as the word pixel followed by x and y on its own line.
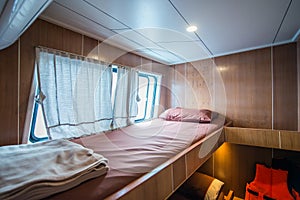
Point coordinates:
pixel 136 150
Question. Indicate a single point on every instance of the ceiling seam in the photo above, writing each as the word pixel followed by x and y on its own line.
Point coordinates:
pixel 112 30
pixel 176 41
pixel 83 16
pixel 179 13
pixel 130 29
pixel 280 25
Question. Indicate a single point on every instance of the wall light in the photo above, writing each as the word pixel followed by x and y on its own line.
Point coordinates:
pixel 191 28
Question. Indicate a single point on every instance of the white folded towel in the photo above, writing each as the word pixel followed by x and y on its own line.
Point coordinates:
pixel 35 171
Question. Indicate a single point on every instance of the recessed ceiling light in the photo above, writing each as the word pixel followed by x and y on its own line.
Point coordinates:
pixel 191 28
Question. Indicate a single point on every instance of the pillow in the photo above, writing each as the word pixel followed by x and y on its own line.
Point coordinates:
pixel 187 115
pixel 201 186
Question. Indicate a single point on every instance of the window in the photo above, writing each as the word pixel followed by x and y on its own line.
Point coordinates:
pixel 38 130
pixel 148 98
pixel 149 94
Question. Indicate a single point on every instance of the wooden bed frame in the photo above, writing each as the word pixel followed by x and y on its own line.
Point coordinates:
pixel 165 179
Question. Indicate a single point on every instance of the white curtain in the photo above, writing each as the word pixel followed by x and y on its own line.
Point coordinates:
pixel 126 97
pixel 75 93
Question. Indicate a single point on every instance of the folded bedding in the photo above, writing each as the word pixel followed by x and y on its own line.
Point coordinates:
pixel 35 171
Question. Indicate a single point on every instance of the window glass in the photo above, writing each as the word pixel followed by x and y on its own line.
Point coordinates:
pixel 149 96
pixel 38 130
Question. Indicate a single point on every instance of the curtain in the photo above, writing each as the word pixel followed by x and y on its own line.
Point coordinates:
pixel 75 94
pixel 126 97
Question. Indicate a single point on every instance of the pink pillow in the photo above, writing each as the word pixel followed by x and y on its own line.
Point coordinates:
pixel 188 115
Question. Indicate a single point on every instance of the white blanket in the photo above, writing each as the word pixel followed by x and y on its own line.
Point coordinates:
pixel 35 171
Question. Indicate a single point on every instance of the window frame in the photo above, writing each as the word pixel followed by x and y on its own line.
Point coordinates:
pixel 147 75
pixel 32 137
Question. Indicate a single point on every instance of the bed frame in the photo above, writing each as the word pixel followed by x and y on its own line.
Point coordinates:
pixel 165 179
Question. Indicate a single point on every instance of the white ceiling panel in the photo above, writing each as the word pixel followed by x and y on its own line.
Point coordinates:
pixel 125 43
pixel 87 10
pixel 291 23
pixel 139 14
pixel 64 17
pixel 162 56
pixel 235 24
pixel 138 38
pixel 189 51
pixel 166 35
pixel 156 28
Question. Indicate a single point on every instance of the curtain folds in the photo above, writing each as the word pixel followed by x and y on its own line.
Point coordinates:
pixel 76 94
pixel 126 97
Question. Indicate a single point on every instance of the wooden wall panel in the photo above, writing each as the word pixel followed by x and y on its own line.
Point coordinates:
pixel 72 42
pixel 290 140
pixel 163 181
pixel 9 95
pixel 261 86
pixel 192 85
pixel 179 86
pixel 248 85
pixel 253 137
pixel 179 170
pixel 50 35
pixel 129 59
pixel 285 87
pixel 41 33
pixel 90 47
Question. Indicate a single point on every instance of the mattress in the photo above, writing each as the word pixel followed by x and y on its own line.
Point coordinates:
pixel 136 150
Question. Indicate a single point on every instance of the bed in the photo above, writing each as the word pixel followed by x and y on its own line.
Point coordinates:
pixel 148 160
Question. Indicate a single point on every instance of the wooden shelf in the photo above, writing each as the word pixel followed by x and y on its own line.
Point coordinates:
pixel 280 139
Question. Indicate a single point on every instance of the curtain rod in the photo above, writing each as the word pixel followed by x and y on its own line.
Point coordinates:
pixel 81 56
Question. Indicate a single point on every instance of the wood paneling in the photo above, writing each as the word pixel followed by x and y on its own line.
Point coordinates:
pixel 155 188
pixel 279 139
pixel 285 87
pixel 90 47
pixel 192 82
pixel 179 86
pixel 72 42
pixel 290 140
pixel 129 59
pixel 248 85
pixel 179 170
pixel 253 93
pixel 9 95
pixel 253 137
pixel 203 152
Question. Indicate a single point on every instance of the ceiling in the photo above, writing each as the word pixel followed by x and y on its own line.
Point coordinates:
pixel 156 29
